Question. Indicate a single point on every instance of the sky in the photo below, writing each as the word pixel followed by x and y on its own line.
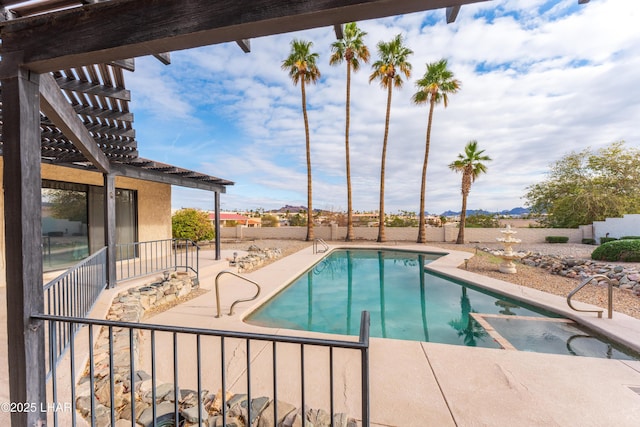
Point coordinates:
pixel 539 79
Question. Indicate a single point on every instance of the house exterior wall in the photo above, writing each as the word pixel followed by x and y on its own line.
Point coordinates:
pixel 154 203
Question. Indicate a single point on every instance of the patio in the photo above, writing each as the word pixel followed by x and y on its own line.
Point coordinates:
pixel 413 383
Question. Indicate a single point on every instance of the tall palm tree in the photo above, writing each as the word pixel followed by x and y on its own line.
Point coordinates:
pixel 301 65
pixel 390 66
pixel 471 166
pixel 350 49
pixel 434 87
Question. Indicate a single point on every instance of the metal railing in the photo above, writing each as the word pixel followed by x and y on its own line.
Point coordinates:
pixel 320 246
pixel 609 295
pixel 165 358
pixel 74 294
pixel 239 300
pixel 142 258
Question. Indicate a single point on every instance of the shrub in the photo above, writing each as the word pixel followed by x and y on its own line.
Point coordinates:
pixel 619 250
pixel 607 239
pixel 588 241
pixel 556 239
pixel 630 238
pixel 191 224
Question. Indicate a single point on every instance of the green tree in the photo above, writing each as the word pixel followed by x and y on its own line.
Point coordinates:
pixel 302 68
pixel 388 69
pixel 268 220
pixel 471 166
pixel 434 87
pixel 67 204
pixel 588 186
pixel 350 49
pixel 297 220
pixel 192 224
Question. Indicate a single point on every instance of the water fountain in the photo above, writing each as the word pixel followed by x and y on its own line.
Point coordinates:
pixel 508 255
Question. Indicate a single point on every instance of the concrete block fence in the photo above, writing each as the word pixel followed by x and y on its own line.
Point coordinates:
pixel 434 234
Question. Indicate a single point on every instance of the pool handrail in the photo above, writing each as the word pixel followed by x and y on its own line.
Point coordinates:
pixel 239 300
pixel 324 245
pixel 609 294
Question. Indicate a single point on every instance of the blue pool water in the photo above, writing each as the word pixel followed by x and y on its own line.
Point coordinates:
pixel 407 302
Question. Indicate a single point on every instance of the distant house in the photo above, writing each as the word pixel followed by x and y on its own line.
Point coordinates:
pixel 231 219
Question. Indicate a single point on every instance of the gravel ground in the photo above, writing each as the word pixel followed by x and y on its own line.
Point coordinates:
pixel 487 265
pixel 538 278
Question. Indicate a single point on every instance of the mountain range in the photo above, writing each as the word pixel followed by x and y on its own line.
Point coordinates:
pixel 519 211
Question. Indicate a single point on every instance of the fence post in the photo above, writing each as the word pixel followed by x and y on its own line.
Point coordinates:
pixel 364 352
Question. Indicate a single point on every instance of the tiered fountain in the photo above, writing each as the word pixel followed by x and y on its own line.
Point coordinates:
pixel 508 255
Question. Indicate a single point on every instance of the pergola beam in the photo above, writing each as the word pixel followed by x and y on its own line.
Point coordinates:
pixel 56 107
pixel 452 13
pixel 114 30
pixel 157 176
pixel 245 45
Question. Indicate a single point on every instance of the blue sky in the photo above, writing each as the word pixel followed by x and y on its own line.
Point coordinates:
pixel 539 79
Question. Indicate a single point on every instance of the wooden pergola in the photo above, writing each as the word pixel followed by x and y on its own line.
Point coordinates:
pixel 43 41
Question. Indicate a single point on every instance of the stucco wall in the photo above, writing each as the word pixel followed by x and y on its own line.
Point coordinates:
pixel 434 234
pixel 629 225
pixel 154 203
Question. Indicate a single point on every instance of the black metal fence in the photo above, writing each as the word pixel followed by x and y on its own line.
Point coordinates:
pixel 142 258
pixel 73 294
pixel 126 354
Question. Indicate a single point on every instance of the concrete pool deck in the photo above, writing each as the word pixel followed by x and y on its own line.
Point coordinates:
pixel 422 384
pixel 418 384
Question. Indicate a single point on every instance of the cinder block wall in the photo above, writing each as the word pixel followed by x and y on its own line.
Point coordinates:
pixel 408 234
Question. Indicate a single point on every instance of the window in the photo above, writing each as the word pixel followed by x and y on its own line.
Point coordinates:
pixel 73 221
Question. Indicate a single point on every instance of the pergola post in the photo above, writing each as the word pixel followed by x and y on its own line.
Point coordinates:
pixel 216 222
pixel 23 239
pixel 110 227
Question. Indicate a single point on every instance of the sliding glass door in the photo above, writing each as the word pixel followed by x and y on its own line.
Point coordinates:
pixel 73 221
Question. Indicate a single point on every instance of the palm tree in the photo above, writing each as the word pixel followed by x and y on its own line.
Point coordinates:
pixel 434 87
pixel 352 50
pixel 388 68
pixel 301 64
pixel 471 166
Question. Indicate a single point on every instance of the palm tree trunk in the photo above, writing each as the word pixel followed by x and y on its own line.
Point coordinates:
pixel 381 230
pixel 463 217
pixel 350 235
pixel 466 187
pixel 310 235
pixel 422 232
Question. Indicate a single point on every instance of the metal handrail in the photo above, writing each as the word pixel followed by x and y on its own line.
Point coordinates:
pixel 585 283
pixel 237 301
pixel 323 243
pixel 138 259
pixel 64 376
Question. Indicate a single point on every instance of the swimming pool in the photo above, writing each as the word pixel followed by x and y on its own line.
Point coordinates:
pixel 407 302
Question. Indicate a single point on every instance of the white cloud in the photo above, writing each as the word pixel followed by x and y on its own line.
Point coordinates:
pixel 538 81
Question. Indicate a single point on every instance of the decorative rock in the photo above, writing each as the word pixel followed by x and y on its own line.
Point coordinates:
pixel 620 276
pixel 319 417
pixel 216 401
pixel 257 406
pixel 191 414
pixel 146 417
pixel 216 421
pixel 266 418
